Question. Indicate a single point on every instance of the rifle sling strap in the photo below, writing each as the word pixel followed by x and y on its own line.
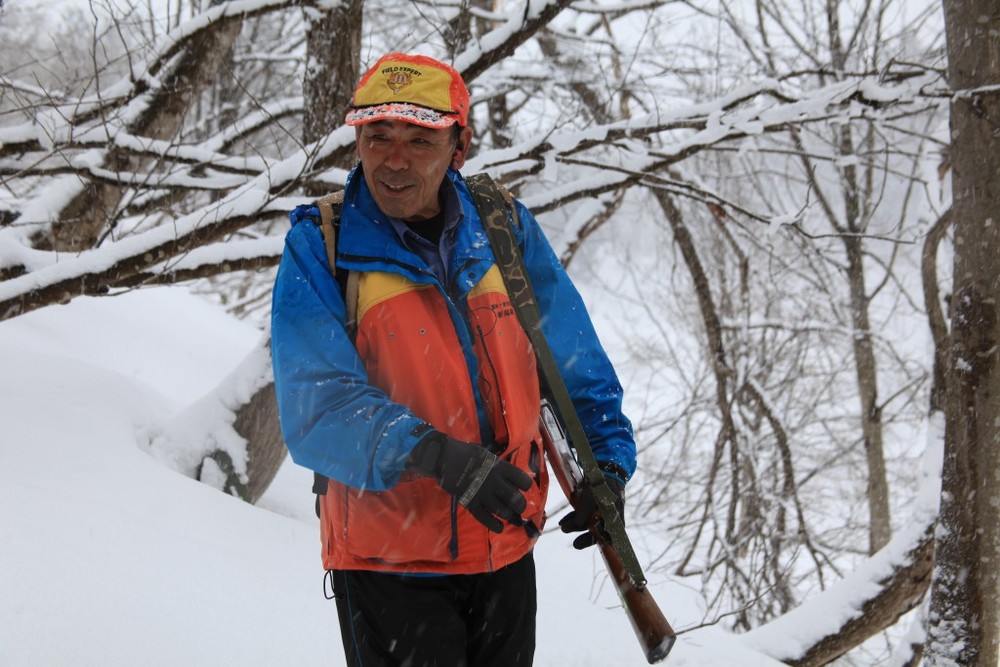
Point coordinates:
pixel 493 205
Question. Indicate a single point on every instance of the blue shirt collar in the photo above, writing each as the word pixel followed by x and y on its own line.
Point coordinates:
pixel 435 257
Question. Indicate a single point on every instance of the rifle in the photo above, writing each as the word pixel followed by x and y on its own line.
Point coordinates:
pixel 649 624
pixel 498 213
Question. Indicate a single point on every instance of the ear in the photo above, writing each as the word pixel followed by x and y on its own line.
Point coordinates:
pixel 462 148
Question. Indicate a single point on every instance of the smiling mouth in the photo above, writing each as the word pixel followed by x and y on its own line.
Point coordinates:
pixel 394 188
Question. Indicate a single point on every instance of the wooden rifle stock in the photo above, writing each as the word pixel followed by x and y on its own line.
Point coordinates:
pixel 649 624
pixel 651 627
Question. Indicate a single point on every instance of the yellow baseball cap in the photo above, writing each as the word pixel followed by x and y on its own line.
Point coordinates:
pixel 411 88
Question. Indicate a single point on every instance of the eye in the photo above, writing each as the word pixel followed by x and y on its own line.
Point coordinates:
pixel 374 136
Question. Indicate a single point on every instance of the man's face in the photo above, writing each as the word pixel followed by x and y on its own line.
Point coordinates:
pixel 404 165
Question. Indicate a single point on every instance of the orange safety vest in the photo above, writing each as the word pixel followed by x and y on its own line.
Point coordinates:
pixel 411 351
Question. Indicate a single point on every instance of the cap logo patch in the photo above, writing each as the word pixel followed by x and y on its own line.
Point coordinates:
pixel 398 81
pixel 399 77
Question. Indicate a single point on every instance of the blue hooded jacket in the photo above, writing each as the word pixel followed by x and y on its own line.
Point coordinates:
pixel 324 397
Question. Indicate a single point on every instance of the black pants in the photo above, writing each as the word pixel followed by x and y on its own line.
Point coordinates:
pixel 470 620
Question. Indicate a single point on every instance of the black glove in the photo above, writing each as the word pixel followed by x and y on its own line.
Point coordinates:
pixel 579 518
pixel 484 484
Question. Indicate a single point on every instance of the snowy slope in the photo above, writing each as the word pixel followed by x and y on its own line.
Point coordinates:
pixel 108 557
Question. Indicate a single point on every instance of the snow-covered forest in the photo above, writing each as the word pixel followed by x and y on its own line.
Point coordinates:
pixel 780 215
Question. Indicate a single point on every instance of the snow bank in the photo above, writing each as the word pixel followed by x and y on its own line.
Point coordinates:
pixel 109 557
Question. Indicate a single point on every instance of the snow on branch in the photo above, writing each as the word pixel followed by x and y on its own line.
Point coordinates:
pixel 98 270
pixel 176 39
pixel 215 259
pixel 748 110
pixel 125 99
pixel 501 42
pixel 604 158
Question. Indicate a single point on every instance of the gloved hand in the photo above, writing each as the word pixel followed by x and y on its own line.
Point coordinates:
pixel 579 518
pixel 484 484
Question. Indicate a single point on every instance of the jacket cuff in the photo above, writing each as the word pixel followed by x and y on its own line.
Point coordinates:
pixel 613 470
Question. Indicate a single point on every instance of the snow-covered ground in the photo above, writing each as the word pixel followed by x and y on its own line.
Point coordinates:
pixel 110 557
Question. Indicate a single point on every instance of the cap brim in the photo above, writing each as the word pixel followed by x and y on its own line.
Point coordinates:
pixel 408 113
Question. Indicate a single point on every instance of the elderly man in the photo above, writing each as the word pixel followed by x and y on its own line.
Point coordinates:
pixel 423 413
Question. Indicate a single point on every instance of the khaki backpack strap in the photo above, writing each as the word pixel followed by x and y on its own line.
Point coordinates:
pixel 351 300
pixel 329 212
pixel 329 223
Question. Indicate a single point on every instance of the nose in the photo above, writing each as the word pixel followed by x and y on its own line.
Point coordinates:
pixel 396 157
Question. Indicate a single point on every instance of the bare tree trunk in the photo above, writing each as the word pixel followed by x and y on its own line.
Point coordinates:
pixel 965 600
pixel 850 228
pixel 879 527
pixel 935 314
pixel 333 54
pixel 852 232
pixel 257 422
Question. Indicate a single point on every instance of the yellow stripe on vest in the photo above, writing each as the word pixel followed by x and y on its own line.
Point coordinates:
pixel 491 282
pixel 377 287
